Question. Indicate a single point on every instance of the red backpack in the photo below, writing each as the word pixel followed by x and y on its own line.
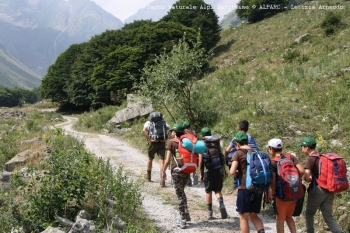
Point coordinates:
pixel 332 172
pixel 189 158
pixel 289 184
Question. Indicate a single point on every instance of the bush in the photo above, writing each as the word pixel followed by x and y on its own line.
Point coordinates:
pixel 73 180
pixel 331 23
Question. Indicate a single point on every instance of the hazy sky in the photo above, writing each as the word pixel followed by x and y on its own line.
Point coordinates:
pixel 122 9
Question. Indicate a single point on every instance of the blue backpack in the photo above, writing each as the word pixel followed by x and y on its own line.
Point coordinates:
pixel 259 171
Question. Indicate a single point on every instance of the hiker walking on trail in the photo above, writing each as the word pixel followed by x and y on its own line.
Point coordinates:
pixel 243 126
pixel 318 198
pixel 187 129
pixel 155 130
pixel 212 171
pixel 284 209
pixel 248 203
pixel 179 179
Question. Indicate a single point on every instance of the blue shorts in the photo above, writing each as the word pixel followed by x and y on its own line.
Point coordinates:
pixel 248 202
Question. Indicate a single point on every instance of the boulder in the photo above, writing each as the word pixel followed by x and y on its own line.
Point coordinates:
pixel 136 107
pixel 21 158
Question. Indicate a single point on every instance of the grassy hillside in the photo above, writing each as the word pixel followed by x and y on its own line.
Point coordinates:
pixel 284 88
pixel 15 74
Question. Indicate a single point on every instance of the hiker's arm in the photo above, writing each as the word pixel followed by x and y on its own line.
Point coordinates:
pixel 166 163
pixel 272 189
pixel 228 149
pixel 233 169
pixel 145 133
pixel 301 169
pixel 307 176
pixel 200 164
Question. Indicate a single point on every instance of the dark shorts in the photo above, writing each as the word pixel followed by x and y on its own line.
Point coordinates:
pixel 156 148
pixel 213 182
pixel 248 202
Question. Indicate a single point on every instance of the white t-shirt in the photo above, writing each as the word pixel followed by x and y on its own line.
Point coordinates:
pixel 148 123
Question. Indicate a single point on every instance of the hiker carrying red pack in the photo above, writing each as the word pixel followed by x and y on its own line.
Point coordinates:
pixel 286 186
pixel 318 196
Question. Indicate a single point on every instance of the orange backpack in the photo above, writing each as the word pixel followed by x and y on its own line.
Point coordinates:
pixel 186 158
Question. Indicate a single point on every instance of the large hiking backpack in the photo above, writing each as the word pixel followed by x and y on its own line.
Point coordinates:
pixel 332 173
pixel 158 129
pixel 251 144
pixel 189 147
pixel 259 171
pixel 289 185
pixel 213 157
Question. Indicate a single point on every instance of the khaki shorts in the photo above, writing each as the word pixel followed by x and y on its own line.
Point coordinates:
pixel 156 147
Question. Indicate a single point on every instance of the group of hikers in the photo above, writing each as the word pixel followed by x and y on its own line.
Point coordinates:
pixel 239 157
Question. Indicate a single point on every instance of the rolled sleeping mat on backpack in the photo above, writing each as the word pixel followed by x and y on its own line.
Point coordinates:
pixel 199 147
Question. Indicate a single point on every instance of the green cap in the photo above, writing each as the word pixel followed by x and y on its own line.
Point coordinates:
pixel 307 141
pixel 205 131
pixel 241 136
pixel 177 127
pixel 186 124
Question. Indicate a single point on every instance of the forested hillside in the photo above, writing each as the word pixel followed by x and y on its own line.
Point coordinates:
pixel 102 70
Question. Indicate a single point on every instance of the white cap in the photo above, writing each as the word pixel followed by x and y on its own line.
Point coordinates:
pixel 275 143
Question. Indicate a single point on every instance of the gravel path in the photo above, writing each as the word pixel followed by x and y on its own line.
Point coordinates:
pixel 161 203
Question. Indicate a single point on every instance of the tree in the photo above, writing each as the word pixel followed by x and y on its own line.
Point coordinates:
pixel 198 15
pixel 171 81
pixel 257 10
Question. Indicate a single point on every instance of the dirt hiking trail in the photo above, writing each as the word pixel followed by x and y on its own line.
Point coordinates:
pixel 161 203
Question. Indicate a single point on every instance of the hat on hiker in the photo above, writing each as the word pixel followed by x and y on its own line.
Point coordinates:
pixel 275 143
pixel 307 141
pixel 186 124
pixel 241 137
pixel 205 131
pixel 177 127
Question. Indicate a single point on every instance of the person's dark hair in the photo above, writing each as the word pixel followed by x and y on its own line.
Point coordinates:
pixel 179 134
pixel 243 125
pixel 276 149
pixel 312 147
pixel 244 142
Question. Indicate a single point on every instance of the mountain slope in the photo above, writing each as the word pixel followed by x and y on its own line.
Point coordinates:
pixel 15 74
pixel 37 31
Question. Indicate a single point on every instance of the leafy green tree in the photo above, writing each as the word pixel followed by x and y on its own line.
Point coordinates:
pixel 101 71
pixel 54 84
pixel 199 16
pixel 116 72
pixel 257 10
pixel 171 81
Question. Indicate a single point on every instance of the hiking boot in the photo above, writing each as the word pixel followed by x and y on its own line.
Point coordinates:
pixel 223 211
pixel 188 217
pixel 210 215
pixel 181 224
pixel 162 183
pixel 147 177
pixel 189 182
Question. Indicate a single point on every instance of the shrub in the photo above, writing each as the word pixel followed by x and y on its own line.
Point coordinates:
pixel 331 22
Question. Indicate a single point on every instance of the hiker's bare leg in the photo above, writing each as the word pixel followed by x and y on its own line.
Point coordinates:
pixel 258 224
pixel 208 198
pixel 243 222
pixel 280 226
pixel 149 164
pixel 161 164
pixel 218 194
pixel 291 224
